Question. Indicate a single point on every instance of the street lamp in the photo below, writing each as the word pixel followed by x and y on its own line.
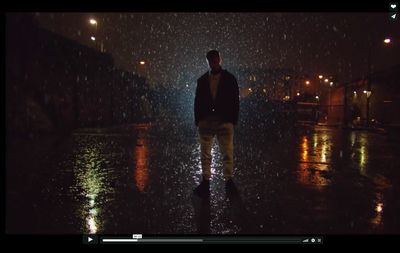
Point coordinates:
pixel 386 41
pixel 288 87
pixel 142 68
pixel 330 98
pixel 368 92
pixel 93 21
pixel 320 76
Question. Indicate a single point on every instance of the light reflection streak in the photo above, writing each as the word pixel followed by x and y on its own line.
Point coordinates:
pixel 314 160
pixel 142 161
pixel 91 185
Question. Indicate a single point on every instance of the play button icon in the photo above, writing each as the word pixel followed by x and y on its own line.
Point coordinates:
pixel 90 239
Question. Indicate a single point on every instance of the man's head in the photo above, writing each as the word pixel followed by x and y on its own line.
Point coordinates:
pixel 214 60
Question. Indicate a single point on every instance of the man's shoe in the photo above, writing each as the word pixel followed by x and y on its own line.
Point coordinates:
pixel 231 188
pixel 203 190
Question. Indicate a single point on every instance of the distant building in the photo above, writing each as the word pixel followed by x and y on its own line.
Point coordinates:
pixel 54 83
pixel 348 101
pixel 273 84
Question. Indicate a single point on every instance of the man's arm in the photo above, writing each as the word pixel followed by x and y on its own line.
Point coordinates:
pixel 196 105
pixel 236 101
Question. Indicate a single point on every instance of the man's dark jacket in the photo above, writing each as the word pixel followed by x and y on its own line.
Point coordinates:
pixel 226 103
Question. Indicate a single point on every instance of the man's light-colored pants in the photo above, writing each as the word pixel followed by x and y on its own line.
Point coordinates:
pixel 208 128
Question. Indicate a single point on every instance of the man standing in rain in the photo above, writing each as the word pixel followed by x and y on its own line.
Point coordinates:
pixel 216 110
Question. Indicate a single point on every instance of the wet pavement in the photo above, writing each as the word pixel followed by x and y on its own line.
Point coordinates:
pixel 139 179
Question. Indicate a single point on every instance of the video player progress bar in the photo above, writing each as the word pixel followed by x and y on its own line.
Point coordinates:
pixel 152 240
pixel 263 240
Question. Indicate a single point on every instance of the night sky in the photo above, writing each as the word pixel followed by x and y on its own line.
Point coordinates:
pixel 174 44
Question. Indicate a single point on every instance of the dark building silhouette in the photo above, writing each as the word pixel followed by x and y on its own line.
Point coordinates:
pixel 56 84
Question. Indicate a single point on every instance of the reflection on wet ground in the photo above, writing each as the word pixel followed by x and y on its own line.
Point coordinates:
pixel 139 179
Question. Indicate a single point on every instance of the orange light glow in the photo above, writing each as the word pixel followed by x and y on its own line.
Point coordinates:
pixel 141 161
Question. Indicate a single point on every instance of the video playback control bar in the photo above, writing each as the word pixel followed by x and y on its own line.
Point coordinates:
pixel 138 238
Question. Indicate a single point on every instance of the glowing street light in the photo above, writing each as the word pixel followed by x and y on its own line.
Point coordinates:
pixel 379 208
pixel 354 94
pixel 142 68
pixel 368 92
pixel 326 80
pixel 387 41
pixel 320 76
pixel 100 44
pixel 307 82
pixel 93 38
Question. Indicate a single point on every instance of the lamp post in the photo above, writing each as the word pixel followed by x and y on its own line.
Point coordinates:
pixel 368 92
pixel 326 81
pixel 368 85
pixel 320 80
pixel 94 23
pixel 330 100
pixel 288 87
pixel 142 68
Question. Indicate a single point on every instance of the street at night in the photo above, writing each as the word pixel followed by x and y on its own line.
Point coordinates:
pixel 139 179
pixel 202 123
